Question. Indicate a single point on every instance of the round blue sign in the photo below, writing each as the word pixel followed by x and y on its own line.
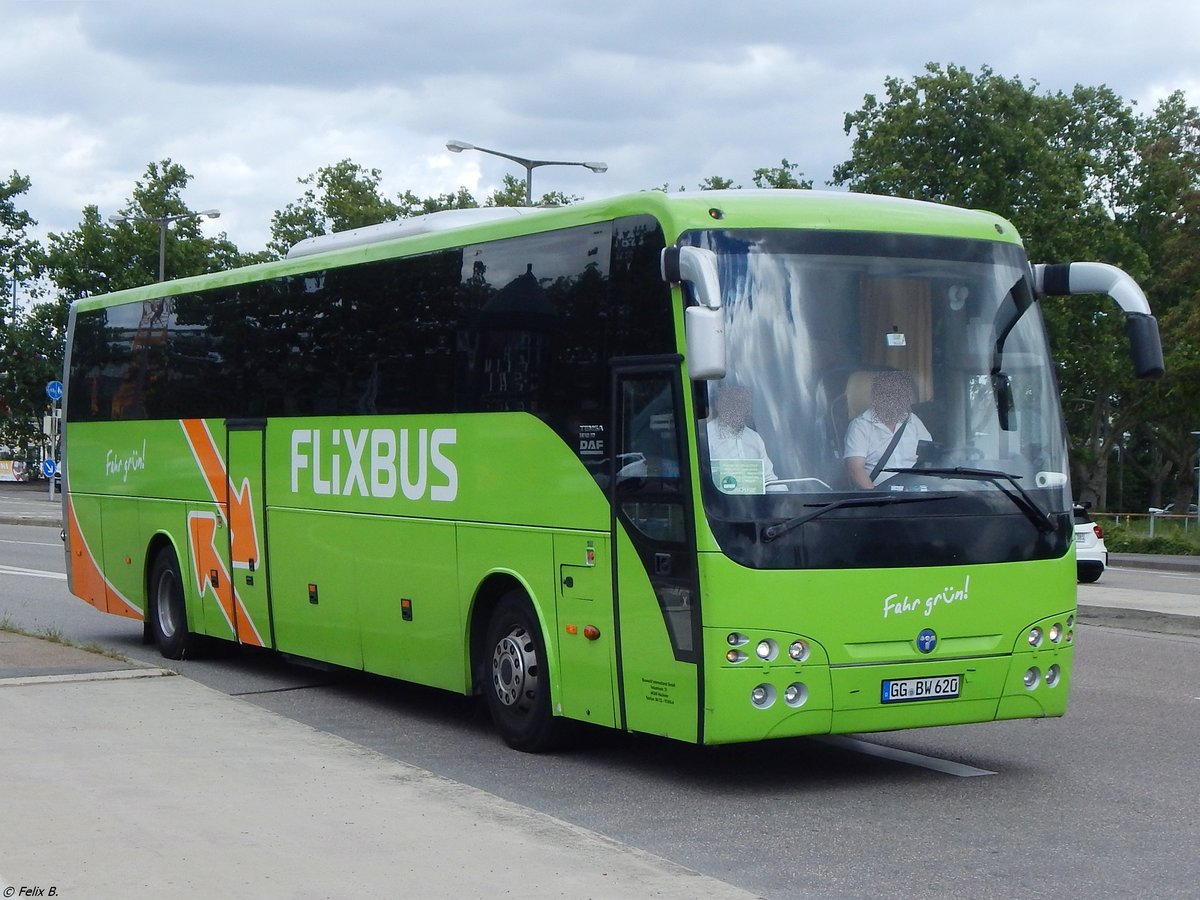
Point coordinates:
pixel 49 467
pixel 54 390
pixel 927 640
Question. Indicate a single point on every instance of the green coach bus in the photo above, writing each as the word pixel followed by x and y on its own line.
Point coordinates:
pixel 719 467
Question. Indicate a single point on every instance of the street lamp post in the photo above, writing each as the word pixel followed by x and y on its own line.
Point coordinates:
pixel 528 164
pixel 163 222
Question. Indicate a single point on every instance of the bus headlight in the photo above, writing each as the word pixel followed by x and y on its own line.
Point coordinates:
pixel 1035 636
pixel 763 696
pixel 1053 675
pixel 1033 676
pixel 796 694
pixel 737 640
pixel 799 651
pixel 1056 633
pixel 767 649
pixel 735 656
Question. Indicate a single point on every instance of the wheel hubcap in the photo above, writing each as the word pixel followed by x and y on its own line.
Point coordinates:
pixel 165 604
pixel 514 668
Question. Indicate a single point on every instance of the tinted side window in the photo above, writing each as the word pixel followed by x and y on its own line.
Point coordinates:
pixel 526 324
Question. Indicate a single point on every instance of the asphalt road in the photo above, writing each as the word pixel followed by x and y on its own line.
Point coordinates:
pixel 1100 803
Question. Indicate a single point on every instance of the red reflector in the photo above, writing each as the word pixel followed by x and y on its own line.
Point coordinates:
pixel 1099 531
pixel 591 632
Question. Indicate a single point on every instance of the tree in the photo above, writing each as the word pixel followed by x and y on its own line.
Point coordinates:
pixel 782 176
pixel 1073 173
pixel 338 198
pixel 33 358
pixel 99 257
pixel 21 257
pixel 717 183
pixel 21 260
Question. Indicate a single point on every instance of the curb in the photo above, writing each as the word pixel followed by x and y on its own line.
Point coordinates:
pixel 1139 620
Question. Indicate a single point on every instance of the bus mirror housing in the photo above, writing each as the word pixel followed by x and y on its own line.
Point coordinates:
pixel 703 323
pixel 1145 344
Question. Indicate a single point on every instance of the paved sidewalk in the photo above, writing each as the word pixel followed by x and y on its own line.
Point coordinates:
pixel 126 781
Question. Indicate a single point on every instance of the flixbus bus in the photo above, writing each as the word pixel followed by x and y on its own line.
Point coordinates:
pixel 481 450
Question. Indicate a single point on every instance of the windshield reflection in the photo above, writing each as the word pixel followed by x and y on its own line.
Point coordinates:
pixel 878 362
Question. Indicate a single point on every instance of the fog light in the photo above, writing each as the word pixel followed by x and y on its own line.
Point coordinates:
pixel 762 696
pixel 1035 637
pixel 1033 675
pixel 795 694
pixel 1053 674
pixel 1070 622
pixel 735 656
pixel 767 649
pixel 1056 633
pixel 737 640
pixel 799 651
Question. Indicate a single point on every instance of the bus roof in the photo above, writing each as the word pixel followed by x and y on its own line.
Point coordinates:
pixel 677 213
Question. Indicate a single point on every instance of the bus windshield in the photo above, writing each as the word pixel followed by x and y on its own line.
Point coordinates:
pixel 865 369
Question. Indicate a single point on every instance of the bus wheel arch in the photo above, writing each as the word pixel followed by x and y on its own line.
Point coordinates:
pixel 512 668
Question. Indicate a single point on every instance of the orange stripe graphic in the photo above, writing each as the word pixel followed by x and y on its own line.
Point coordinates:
pixel 202 531
pixel 87 581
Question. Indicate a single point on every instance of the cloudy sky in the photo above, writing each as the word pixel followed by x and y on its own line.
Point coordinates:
pixel 249 97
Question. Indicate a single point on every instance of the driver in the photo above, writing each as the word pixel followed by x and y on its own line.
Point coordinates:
pixel 886 434
pixel 729 434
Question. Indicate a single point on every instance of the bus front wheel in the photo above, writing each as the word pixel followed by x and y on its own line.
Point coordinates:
pixel 518 679
pixel 166 610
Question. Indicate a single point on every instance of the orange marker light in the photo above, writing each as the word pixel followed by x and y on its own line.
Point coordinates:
pixel 572 629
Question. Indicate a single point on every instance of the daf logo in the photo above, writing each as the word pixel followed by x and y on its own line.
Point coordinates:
pixel 927 640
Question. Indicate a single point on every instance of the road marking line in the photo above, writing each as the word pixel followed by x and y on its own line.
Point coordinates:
pixel 31 573
pixel 945 766
pixel 33 543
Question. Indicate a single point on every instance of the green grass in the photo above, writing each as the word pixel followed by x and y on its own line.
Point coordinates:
pixel 55 636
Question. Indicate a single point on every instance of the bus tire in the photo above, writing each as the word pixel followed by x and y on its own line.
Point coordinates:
pixel 166 609
pixel 517 680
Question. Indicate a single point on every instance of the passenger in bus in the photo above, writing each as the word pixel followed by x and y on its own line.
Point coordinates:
pixel 729 433
pixel 885 434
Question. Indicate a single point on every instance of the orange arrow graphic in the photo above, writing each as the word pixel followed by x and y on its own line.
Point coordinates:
pixel 244 537
pixel 210 571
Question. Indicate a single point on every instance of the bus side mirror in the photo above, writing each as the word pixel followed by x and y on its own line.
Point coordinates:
pixel 704 323
pixel 1145 345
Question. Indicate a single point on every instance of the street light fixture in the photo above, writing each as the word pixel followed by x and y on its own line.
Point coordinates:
pixel 528 164
pixel 163 222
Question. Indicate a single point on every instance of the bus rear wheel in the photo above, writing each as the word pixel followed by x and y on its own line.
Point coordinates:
pixel 166 610
pixel 517 678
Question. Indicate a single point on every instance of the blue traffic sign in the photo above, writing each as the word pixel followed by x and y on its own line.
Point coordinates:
pixel 49 467
pixel 54 390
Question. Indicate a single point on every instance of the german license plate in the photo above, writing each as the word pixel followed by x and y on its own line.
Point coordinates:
pixel 937 687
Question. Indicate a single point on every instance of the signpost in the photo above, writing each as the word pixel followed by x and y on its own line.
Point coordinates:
pixel 54 390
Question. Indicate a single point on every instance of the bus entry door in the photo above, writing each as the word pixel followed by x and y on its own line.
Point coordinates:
pixel 247 531
pixel 587 644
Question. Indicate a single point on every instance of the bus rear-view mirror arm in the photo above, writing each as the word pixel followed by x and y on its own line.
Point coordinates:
pixel 704 322
pixel 1145 345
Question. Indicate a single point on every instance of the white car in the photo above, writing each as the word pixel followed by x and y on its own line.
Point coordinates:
pixel 1091 556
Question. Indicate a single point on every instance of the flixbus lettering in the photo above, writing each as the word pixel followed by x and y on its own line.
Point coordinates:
pixel 375 462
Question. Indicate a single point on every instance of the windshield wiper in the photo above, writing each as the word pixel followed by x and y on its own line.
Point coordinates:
pixel 1021 498
pixel 773 531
